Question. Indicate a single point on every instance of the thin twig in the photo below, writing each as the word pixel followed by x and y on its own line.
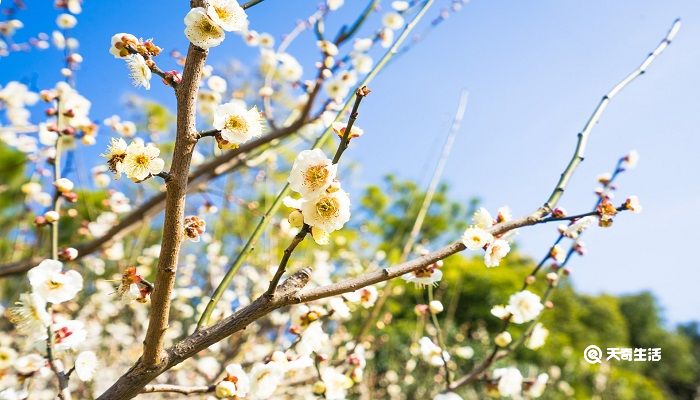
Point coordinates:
pixel 595 117
pixel 298 238
pixel 167 388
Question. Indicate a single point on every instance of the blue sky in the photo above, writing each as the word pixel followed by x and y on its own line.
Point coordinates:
pixel 535 71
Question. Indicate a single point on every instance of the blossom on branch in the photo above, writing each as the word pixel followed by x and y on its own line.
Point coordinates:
pixel 139 71
pixel 312 173
pixel 228 15
pixel 237 125
pixel 141 161
pixel 201 30
pixel 52 283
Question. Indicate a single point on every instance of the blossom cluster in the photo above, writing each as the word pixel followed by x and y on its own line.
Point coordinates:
pixel 324 206
pixel 477 236
pixel 206 26
pixel 34 318
pixel 138 161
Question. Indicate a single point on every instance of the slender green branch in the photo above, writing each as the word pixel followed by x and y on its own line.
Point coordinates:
pixel 595 117
pixel 251 3
pixel 346 33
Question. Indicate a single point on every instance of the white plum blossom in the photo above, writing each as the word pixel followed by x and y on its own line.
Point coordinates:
pixel 432 353
pixel 327 47
pixel 632 203
pixel 52 283
pixel 312 339
pixel 217 83
pixel 68 334
pixel 476 238
pixel 448 395
pixel 30 316
pixel 142 161
pixel 29 364
pixel 574 230
pixel 524 306
pixel 289 68
pixel 537 388
pixel 427 276
pixel 334 4
pixel 631 160
pixel 201 30
pixel 365 296
pixel 66 21
pixel 537 337
pixel 482 218
pixel 393 20
pixel 235 373
pixel 328 212
pixel 7 357
pixel 495 252
pixel 236 123
pixel 400 5
pixel 362 63
pixel 362 44
pixel 510 381
pixel 228 15
pixel 139 71
pixel 336 383
pixel 225 389
pixel 312 173
pixel 86 365
pixel 264 379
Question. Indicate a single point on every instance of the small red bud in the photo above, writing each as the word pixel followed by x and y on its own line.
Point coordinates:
pixel 68 254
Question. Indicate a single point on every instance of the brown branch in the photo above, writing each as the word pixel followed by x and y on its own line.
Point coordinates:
pixel 251 3
pixel 135 379
pixel 225 163
pixel 360 94
pixel 185 141
pixel 166 388
pixel 298 238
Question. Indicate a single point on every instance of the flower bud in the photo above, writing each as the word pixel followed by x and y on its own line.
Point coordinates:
pixel 68 254
pixel 71 197
pixel 503 339
pixel 296 219
pixel 552 277
pixel 266 91
pixel 319 388
pixel 436 307
pixel 225 389
pixel 558 213
pixel 63 185
pixel 530 279
pixel 420 309
pixel 51 216
pixel 194 227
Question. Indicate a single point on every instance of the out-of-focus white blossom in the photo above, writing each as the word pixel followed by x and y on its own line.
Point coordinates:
pixel 52 283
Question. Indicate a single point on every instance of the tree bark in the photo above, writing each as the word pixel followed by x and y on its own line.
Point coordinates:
pixel 185 141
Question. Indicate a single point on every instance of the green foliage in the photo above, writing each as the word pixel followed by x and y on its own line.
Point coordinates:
pixel 469 290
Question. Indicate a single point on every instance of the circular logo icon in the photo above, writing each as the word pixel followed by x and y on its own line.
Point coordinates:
pixel 593 354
